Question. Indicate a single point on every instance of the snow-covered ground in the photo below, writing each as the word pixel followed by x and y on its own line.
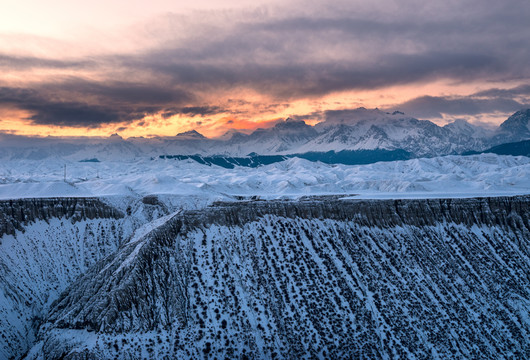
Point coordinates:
pixel 449 176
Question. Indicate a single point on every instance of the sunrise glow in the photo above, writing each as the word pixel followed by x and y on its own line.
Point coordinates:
pixel 72 69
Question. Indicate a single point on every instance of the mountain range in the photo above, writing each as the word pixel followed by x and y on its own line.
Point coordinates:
pixel 347 130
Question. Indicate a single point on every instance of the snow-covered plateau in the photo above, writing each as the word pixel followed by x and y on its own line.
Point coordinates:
pixel 287 279
pixel 448 176
pixel 162 258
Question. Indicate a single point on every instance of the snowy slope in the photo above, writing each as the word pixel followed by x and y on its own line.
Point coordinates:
pixel 517 126
pixel 45 244
pixel 44 247
pixel 485 174
pixel 309 279
pixel 375 129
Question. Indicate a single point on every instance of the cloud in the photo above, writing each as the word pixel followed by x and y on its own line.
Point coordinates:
pixel 193 111
pixel 313 53
pixel 119 91
pixel 291 80
pixel 285 53
pixel 315 115
pixel 522 90
pixel 83 104
pixel 71 114
pixel 227 123
pixel 29 62
pixel 485 102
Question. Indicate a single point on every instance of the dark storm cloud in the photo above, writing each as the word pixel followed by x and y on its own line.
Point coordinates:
pixel 429 107
pixel 119 91
pixel 47 112
pixel 28 62
pixel 61 103
pixel 317 53
pixel 523 90
pixel 291 81
pixel 71 114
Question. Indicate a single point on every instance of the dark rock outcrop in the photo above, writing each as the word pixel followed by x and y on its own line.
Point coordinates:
pixel 14 214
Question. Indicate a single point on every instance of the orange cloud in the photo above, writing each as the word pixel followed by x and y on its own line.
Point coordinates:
pixel 247 125
pixel 248 113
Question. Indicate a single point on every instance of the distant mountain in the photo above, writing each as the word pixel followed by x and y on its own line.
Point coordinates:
pixel 515 128
pixel 346 130
pixel 371 129
pixel 192 134
pixel 280 139
pixel 461 128
pixel 253 160
pixel 520 148
pixel 229 162
pixel 355 157
pixel 518 123
pixel 232 134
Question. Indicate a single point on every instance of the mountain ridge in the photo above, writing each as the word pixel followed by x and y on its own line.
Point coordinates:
pixel 359 129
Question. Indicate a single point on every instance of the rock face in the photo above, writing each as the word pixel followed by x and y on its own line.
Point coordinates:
pixel 14 214
pixel 517 126
pixel 315 278
pixel 45 244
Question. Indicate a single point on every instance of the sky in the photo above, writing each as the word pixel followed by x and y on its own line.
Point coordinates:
pixel 160 67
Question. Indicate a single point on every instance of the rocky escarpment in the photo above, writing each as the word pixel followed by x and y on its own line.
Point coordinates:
pixel 14 214
pixel 321 278
pixel 45 244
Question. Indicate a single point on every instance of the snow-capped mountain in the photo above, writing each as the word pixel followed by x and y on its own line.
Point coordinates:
pixel 232 134
pixel 364 129
pixel 462 128
pixel 371 129
pixel 350 130
pixel 281 138
pixel 516 127
pixel 192 134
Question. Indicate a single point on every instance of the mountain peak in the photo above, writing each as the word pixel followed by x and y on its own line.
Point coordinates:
pixel 525 112
pixel 115 137
pixel 458 124
pixel 291 124
pixel 192 134
pixel 232 134
pixel 461 127
pixel 518 123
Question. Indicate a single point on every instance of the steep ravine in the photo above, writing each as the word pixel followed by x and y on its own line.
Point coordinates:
pixel 319 278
